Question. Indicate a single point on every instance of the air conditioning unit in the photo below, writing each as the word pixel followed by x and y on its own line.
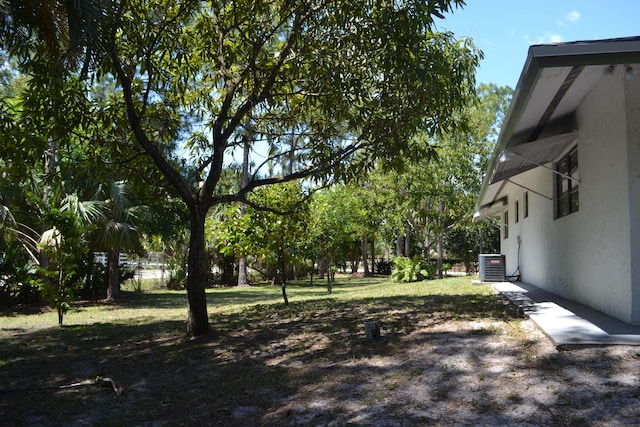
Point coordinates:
pixel 492 268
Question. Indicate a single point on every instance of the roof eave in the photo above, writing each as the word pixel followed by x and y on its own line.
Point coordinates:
pixel 539 57
pixel 528 78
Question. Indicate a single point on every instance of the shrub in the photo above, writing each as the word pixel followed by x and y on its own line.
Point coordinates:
pixel 410 269
pixel 177 278
pixel 16 271
pixel 446 267
pixel 65 248
pixel 383 267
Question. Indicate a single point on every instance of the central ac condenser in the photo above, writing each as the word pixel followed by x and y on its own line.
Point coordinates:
pixel 492 268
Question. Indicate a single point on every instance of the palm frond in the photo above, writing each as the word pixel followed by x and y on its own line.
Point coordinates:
pixel 6 218
pixel 119 236
pixel 89 211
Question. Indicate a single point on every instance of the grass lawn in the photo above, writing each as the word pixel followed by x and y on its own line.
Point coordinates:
pixel 154 305
pixel 265 363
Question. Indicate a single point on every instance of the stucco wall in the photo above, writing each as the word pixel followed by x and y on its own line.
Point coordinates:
pixel 633 156
pixel 533 252
pixel 601 276
pixel 586 256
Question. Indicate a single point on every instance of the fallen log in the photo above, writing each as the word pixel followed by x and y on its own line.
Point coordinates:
pixel 97 381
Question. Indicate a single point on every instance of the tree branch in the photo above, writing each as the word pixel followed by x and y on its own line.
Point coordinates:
pixel 135 122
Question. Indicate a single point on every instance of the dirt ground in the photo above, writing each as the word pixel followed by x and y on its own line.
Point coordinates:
pixel 312 365
pixel 471 373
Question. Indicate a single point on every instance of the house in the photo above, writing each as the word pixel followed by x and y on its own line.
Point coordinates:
pixel 564 177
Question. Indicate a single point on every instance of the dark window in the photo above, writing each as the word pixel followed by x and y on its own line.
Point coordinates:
pixel 526 204
pixel 567 196
pixel 517 210
pixel 505 225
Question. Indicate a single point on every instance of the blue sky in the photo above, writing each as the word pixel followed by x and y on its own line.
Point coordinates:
pixel 504 29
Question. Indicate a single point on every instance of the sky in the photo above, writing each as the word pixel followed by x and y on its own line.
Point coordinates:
pixel 504 29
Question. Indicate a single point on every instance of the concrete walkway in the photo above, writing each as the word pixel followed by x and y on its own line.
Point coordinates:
pixel 567 323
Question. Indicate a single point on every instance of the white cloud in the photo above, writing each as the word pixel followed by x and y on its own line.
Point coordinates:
pixel 573 16
pixel 554 38
pixel 547 38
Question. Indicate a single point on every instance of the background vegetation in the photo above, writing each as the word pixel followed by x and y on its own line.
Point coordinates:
pixel 243 142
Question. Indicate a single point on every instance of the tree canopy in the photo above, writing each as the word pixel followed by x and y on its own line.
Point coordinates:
pixel 336 87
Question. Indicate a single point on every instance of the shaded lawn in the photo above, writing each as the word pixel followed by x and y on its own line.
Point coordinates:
pixel 265 363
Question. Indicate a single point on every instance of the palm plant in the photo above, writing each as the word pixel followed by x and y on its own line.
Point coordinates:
pixel 116 218
pixel 71 32
pixel 18 257
pixel 118 230
pixel 23 234
pixel 14 233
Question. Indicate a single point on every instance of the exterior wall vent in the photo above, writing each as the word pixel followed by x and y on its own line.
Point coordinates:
pixel 492 267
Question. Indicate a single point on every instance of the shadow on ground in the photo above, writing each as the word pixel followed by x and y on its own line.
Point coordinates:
pixel 451 360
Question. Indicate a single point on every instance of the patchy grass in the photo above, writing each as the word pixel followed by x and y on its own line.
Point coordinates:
pixel 450 353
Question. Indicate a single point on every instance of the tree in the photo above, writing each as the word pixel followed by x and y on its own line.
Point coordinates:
pixel 67 33
pixel 117 230
pixel 349 82
pixel 441 194
pixel 466 239
pixel 274 236
pixel 292 67
pixel 242 261
pixel 466 242
pixel 335 227
pixel 65 248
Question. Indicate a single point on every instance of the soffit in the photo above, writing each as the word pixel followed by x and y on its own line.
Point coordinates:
pixel 540 124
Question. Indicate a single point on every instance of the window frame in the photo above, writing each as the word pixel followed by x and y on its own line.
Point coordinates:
pixel 505 225
pixel 566 184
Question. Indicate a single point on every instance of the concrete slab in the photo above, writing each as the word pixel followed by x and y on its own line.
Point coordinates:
pixel 567 323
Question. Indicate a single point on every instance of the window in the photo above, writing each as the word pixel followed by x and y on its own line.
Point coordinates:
pixel 567 177
pixel 526 204
pixel 505 225
pixel 517 210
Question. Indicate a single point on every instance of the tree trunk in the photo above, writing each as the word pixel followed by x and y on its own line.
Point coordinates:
pixel 426 253
pixel 113 273
pixel 330 274
pixel 242 272
pixel 440 240
pixel 283 286
pixel 373 257
pixel 197 316
pixel 242 262
pixel 283 279
pixel 440 254
pixel 365 260
pixel 50 167
pixel 427 233
pixel 398 244
pixel 61 310
pixel 228 273
pixel 407 241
